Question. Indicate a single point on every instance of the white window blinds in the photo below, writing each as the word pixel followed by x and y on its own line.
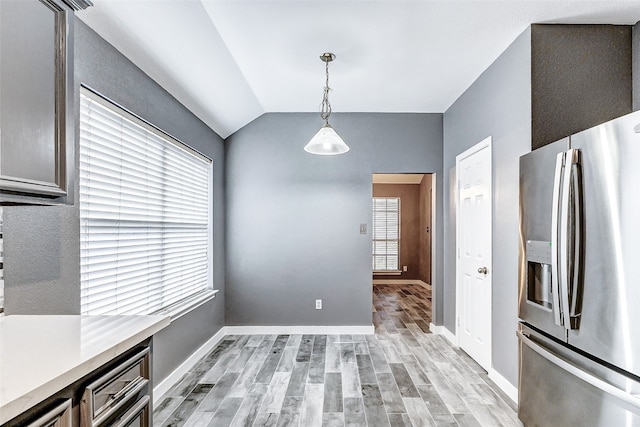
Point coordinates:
pixel 386 234
pixel 144 214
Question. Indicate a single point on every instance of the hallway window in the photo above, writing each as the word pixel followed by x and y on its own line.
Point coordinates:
pixel 386 234
pixel 145 214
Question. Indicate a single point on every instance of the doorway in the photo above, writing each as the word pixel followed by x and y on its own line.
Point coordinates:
pixel 402 241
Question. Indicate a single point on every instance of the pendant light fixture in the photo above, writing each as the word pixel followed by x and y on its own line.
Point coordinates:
pixel 326 142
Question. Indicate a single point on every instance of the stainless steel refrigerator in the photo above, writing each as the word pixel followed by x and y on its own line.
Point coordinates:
pixel 579 295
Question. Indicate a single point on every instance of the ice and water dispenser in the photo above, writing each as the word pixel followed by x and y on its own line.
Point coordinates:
pixel 538 256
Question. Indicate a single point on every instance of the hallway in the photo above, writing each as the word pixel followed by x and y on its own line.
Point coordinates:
pixel 401 307
pixel 401 376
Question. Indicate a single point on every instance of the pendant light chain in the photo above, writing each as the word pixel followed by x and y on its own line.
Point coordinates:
pixel 325 111
pixel 326 142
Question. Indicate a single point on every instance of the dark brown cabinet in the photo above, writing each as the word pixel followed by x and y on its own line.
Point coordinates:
pixel 117 394
pixel 36 100
pixel 60 416
pixel 119 397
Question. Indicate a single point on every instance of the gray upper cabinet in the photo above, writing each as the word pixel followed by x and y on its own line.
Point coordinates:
pixel 581 76
pixel 36 101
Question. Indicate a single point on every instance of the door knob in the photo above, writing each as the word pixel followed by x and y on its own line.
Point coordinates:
pixel 482 270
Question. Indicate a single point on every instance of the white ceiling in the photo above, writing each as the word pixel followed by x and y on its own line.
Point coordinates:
pixel 231 61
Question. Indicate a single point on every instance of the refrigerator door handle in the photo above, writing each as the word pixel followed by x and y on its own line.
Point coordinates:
pixel 564 260
pixel 574 276
pixel 555 218
pixel 599 383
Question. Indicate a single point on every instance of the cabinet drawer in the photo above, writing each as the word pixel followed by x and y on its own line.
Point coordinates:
pixel 60 416
pixel 115 390
pixel 137 416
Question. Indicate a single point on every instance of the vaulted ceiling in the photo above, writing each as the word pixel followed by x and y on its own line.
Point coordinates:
pixel 231 61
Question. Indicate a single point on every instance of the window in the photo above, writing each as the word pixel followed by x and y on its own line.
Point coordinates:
pixel 145 212
pixel 386 233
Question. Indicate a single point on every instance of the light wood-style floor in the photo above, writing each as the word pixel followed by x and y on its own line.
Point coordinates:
pixel 401 376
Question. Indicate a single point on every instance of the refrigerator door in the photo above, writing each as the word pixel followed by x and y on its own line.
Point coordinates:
pixel 539 302
pixel 609 325
pixel 561 388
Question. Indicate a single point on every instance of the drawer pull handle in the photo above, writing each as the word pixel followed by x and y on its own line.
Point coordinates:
pixel 126 389
pixel 610 389
pixel 122 400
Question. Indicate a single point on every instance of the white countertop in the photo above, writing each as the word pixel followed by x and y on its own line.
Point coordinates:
pixel 41 355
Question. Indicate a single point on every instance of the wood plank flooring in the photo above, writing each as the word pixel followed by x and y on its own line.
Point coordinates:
pixel 401 376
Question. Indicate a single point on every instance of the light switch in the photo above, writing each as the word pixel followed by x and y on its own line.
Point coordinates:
pixel 363 228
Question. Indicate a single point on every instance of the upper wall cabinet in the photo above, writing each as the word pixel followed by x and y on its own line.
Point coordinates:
pixel 36 101
pixel 581 76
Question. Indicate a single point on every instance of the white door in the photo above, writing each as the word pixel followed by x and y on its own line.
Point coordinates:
pixel 473 237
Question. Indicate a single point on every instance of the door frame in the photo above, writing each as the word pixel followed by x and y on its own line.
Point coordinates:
pixel 485 143
pixel 434 238
pixel 434 252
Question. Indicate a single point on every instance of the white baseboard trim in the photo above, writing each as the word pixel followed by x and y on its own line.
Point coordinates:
pixel 306 330
pixel 509 389
pixel 165 385
pixel 441 330
pixel 401 282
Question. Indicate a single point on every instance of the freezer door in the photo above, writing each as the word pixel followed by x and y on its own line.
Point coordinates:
pixel 609 326
pixel 560 388
pixel 539 303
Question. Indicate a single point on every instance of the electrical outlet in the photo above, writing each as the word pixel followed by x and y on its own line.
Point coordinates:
pixel 318 304
pixel 404 268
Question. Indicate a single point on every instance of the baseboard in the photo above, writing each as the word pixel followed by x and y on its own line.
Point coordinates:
pixel 401 282
pixel 306 330
pixel 165 385
pixel 508 388
pixel 441 330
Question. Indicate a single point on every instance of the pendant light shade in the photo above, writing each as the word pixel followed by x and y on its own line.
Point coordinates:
pixel 326 142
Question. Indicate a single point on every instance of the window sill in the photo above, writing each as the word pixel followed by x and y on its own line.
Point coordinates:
pixel 387 273
pixel 183 307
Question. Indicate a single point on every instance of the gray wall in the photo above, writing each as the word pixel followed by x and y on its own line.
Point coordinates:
pixel 42 267
pixel 498 104
pixel 293 218
pixel 635 73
